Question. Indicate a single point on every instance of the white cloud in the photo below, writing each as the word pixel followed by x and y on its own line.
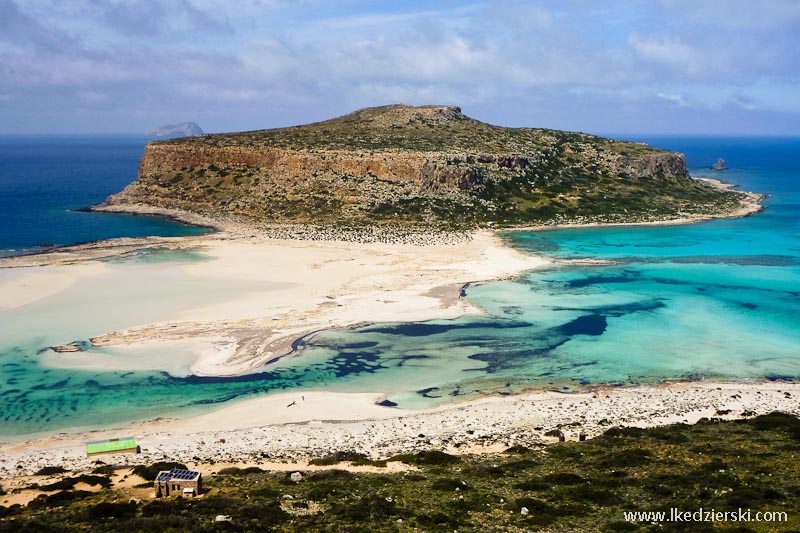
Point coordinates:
pixel 677 99
pixel 667 51
pixel 263 61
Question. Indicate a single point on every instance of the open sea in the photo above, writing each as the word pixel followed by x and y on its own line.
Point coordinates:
pixel 712 300
pixel 44 180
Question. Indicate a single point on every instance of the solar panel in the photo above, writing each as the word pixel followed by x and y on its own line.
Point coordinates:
pixel 177 474
pixel 183 474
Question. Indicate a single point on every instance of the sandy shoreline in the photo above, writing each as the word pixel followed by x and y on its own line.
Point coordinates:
pixel 266 429
pixel 311 286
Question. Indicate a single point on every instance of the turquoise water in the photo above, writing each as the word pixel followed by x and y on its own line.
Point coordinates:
pixel 717 299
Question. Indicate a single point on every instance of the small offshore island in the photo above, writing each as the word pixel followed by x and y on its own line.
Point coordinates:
pixel 384 215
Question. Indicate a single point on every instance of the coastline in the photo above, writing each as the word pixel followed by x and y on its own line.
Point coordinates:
pixel 281 344
pixel 317 285
pixel 397 282
pixel 749 205
pixel 265 430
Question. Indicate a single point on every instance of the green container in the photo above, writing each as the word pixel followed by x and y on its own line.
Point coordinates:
pixel 121 445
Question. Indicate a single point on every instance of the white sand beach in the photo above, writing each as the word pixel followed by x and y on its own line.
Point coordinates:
pixel 301 286
pixel 27 285
pixel 295 427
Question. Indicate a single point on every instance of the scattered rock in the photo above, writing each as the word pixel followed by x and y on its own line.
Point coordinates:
pixel 66 348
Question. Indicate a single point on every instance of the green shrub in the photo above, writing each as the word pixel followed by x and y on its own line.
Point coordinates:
pixel 10 510
pixel 563 478
pixel 111 510
pixel 541 513
pixel 163 507
pixel 427 457
pixel 627 458
pixel 150 472
pixel 267 493
pixel 105 470
pixel 265 514
pixel 70 482
pixel 327 475
pixel 585 493
pixel 623 432
pixel 449 484
pixel 439 521
pixel 533 485
pixel 369 462
pixel 57 499
pixel 338 457
pixel 621 526
pixel 777 421
pixel 235 471
pixel 50 470
pixel 371 507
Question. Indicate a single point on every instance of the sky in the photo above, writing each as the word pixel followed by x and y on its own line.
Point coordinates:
pixel 630 66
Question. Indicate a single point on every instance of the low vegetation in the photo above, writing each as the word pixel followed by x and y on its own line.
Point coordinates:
pixel 150 472
pixel 572 486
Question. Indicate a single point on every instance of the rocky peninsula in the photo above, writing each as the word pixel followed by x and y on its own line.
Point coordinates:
pixel 417 168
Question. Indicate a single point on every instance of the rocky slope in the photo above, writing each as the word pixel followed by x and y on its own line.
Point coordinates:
pixel 427 165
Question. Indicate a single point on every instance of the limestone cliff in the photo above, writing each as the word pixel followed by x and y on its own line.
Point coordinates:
pixel 427 165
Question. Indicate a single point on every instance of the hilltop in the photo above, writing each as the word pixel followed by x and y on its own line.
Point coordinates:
pixel 427 166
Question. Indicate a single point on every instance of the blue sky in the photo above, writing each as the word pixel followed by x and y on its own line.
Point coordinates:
pixel 637 66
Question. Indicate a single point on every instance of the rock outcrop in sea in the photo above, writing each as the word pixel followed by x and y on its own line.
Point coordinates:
pixel 173 131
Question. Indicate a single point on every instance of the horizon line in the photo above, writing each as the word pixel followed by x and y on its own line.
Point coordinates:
pixel 612 135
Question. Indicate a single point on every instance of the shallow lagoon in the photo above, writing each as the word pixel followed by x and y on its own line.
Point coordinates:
pixel 711 300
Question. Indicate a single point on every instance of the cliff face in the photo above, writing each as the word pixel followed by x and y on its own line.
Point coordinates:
pixel 426 171
pixel 428 165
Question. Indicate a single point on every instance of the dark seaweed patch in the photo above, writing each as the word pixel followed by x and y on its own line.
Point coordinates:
pixel 406 358
pixel 600 280
pixel 424 329
pixel 585 325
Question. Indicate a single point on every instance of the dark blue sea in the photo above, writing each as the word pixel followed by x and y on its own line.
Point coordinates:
pixel 713 300
pixel 44 180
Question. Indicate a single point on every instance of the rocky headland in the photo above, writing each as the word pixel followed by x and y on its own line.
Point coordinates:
pixel 416 167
